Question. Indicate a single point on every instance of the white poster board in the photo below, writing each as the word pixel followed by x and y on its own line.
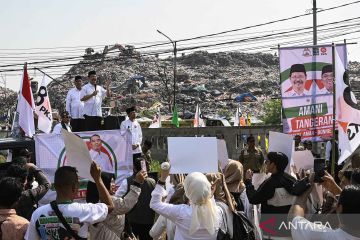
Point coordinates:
pixel 193 154
pixel 303 159
pixel 281 142
pixel 77 154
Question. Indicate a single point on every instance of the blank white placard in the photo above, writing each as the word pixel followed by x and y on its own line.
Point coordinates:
pixel 193 154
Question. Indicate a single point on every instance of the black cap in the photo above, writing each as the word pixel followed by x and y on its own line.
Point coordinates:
pixel 93 72
pixel 21 152
pixel 280 160
pixel 78 77
pixel 130 109
pixel 326 69
pixel 65 114
pixel 297 68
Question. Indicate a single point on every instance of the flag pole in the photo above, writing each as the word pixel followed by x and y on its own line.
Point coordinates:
pixel 281 109
pixel 334 113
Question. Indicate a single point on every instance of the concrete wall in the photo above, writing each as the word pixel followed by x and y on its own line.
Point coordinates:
pixel 235 137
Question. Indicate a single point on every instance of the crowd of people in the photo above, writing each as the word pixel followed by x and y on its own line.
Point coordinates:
pixel 223 205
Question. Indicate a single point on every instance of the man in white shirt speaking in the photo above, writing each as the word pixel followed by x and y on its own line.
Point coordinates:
pixel 75 106
pixel 92 95
pixel 134 127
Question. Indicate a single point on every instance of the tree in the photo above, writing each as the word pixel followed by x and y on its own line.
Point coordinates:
pixel 272 113
pixel 166 90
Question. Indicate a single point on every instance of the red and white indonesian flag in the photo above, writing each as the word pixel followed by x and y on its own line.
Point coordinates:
pixel 25 107
pixel 156 123
pixel 347 112
pixel 43 107
pixel 198 121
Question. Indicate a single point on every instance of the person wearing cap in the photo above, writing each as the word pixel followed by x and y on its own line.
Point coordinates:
pixel 92 95
pixel 64 124
pixel 30 195
pixel 23 152
pixel 275 194
pixel 132 125
pixel 297 78
pixel 327 78
pixel 75 106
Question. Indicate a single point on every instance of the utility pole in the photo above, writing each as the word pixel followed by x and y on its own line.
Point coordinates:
pixel 314 23
pixel 174 63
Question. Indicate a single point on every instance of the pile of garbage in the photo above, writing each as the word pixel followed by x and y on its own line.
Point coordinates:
pixel 212 80
pixel 218 82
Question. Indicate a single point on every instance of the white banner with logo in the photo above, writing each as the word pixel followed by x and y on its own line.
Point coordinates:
pixel 306 76
pixel 115 146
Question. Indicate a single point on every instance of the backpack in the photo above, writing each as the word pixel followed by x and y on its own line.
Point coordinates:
pixel 243 228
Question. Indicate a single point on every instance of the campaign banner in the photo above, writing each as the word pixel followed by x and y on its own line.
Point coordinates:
pixel 111 149
pixel 306 76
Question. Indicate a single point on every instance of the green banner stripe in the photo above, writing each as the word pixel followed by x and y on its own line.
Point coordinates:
pixel 317 66
pixel 306 110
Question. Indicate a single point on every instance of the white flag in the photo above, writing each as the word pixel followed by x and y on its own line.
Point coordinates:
pixel 347 112
pixel 25 107
pixel 43 107
pixel 156 123
pixel 198 121
pixel 237 119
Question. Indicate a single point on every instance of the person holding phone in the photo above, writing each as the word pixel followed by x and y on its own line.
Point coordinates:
pixel 141 217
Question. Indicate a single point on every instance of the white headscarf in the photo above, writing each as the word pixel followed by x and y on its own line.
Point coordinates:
pixel 198 191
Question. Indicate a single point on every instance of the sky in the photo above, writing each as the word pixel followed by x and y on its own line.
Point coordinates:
pixel 77 24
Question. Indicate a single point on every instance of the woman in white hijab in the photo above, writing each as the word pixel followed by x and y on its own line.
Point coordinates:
pixel 199 220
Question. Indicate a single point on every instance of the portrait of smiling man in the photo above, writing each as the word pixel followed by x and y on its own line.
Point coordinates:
pixel 327 78
pixel 98 156
pixel 297 78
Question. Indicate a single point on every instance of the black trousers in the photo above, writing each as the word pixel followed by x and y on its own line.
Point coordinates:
pixel 92 123
pixel 77 124
pixel 141 231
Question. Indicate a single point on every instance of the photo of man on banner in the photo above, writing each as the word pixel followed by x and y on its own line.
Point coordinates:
pixel 307 91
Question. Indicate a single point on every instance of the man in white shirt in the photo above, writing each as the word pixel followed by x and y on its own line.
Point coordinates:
pixel 92 95
pixel 297 79
pixel 98 156
pixel 44 222
pixel 136 134
pixel 103 161
pixel 348 211
pixel 75 106
pixel 64 124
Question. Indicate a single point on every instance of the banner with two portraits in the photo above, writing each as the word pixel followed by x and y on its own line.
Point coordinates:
pixel 306 77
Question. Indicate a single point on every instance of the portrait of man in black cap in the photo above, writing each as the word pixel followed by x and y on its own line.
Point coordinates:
pixel 327 78
pixel 297 78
